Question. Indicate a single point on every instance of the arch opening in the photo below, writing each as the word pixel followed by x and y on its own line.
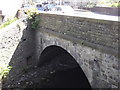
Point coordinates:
pixel 66 71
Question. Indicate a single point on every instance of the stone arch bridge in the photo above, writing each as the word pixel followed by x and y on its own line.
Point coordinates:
pixel 92 42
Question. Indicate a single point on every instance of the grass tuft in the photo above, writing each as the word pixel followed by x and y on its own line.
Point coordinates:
pixel 7 23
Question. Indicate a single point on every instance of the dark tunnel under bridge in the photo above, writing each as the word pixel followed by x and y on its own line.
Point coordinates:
pixel 67 72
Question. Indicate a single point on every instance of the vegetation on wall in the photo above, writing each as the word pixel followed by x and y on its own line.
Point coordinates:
pixel 34 19
pixel 4 71
pixel 115 5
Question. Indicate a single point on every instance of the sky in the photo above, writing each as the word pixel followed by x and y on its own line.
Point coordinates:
pixel 9 7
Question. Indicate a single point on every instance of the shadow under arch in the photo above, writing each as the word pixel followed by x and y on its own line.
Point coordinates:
pixel 68 73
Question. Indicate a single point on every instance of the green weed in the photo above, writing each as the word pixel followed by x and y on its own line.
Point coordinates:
pixel 34 19
pixel 4 71
pixel 7 23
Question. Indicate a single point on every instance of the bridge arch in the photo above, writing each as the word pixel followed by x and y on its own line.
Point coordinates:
pixel 68 73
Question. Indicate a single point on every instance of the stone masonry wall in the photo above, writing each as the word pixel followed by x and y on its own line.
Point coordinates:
pixel 99 34
pixel 10 37
pixel 93 43
pixel 100 68
pixel 17 46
